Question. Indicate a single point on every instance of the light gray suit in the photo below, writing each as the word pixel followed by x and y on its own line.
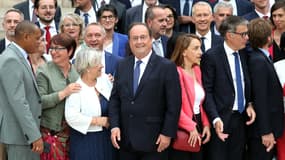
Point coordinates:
pixel 20 107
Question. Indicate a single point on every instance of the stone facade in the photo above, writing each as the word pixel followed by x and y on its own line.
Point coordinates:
pixel 6 4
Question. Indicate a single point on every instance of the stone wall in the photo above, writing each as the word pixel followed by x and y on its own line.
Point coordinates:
pixel 6 4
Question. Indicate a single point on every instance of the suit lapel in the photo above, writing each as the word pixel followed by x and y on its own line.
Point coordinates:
pixel 226 65
pixel 130 71
pixel 24 61
pixel 108 62
pixel 149 68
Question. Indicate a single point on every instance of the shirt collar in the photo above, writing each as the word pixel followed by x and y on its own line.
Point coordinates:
pixel 207 35
pixel 228 49
pixel 23 52
pixel 265 52
pixel 52 24
pixel 144 59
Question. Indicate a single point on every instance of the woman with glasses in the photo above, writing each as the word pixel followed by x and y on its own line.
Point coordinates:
pixel 86 111
pixel 55 81
pixel 193 119
pixel 114 43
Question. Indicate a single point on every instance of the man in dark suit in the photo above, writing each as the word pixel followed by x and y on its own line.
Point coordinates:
pixel 267 94
pixel 262 10
pixel 20 100
pixel 227 86
pixel 202 19
pixel 145 101
pixel 12 18
pixel 27 7
pixel 156 20
pixel 241 7
pixel 137 13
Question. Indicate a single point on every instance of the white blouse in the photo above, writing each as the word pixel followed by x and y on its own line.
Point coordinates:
pixel 81 107
pixel 199 96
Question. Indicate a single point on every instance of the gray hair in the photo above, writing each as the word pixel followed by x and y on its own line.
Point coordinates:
pixel 223 4
pixel 230 24
pixel 95 24
pixel 15 10
pixel 201 3
pixel 87 57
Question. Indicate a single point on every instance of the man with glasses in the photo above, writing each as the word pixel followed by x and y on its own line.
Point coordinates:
pixel 227 86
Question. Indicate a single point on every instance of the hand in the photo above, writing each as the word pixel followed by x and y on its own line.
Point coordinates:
pixel 206 133
pixel 163 142
pixel 68 90
pixel 115 137
pixel 38 146
pixel 111 78
pixel 219 127
pixel 184 19
pixel 103 121
pixel 194 137
pixel 251 114
pixel 268 141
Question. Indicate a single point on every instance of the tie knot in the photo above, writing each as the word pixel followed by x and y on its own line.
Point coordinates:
pixel 138 62
pixel 47 27
pixel 85 14
pixel 265 17
pixel 235 54
pixel 202 38
pixel 103 2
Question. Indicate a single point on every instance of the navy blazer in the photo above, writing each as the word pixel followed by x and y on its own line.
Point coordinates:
pixel 24 7
pixel 133 14
pixel 120 42
pixel 154 108
pixel 251 15
pixel 111 62
pixel 267 96
pixel 164 40
pixel 218 83
pixel 2 45
pixel 216 40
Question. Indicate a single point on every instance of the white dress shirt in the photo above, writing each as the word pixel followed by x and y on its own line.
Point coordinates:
pixel 91 15
pixel 52 29
pixel 143 64
pixel 31 9
pixel 207 40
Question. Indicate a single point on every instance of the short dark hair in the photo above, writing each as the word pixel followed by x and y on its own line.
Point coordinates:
pixel 136 24
pixel 230 24
pixel 25 27
pixel 66 41
pixel 149 14
pixel 37 4
pixel 107 7
pixel 258 32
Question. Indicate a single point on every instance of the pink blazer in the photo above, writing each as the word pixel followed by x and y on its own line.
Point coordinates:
pixel 186 114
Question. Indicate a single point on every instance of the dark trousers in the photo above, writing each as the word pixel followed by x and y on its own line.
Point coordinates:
pixel 257 151
pixel 234 146
pixel 138 155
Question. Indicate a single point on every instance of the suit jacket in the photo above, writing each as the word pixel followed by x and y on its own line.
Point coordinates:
pixel 127 3
pixel 111 63
pixel 218 83
pixel 186 114
pixel 251 15
pixel 153 108
pixel 216 40
pixel 164 40
pixel 243 6
pixel 133 14
pixel 267 96
pixel 24 7
pixel 20 100
pixel 120 42
pixel 2 45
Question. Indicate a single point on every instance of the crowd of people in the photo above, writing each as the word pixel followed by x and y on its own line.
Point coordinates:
pixel 117 80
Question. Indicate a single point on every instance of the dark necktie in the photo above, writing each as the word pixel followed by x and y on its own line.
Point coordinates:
pixel 103 3
pixel 136 75
pixel 86 21
pixel 203 44
pixel 186 10
pixel 239 83
pixel 48 37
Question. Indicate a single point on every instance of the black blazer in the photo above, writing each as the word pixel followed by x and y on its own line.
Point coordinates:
pixel 218 83
pixel 153 110
pixel 267 96
pixel 24 7
pixel 2 45
pixel 133 14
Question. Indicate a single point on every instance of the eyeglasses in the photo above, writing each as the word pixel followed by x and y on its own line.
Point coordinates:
pixel 223 15
pixel 111 17
pixel 71 24
pixel 56 49
pixel 242 34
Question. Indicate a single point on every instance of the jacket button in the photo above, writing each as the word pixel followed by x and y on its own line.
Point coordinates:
pixel 131 116
pixel 132 102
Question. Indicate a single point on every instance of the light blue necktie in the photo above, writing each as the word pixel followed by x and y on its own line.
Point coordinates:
pixel 239 83
pixel 136 75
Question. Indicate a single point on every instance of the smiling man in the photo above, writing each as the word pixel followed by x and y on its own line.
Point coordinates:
pixel 202 18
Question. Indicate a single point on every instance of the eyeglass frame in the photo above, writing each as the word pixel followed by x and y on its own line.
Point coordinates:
pixel 242 34
pixel 56 49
